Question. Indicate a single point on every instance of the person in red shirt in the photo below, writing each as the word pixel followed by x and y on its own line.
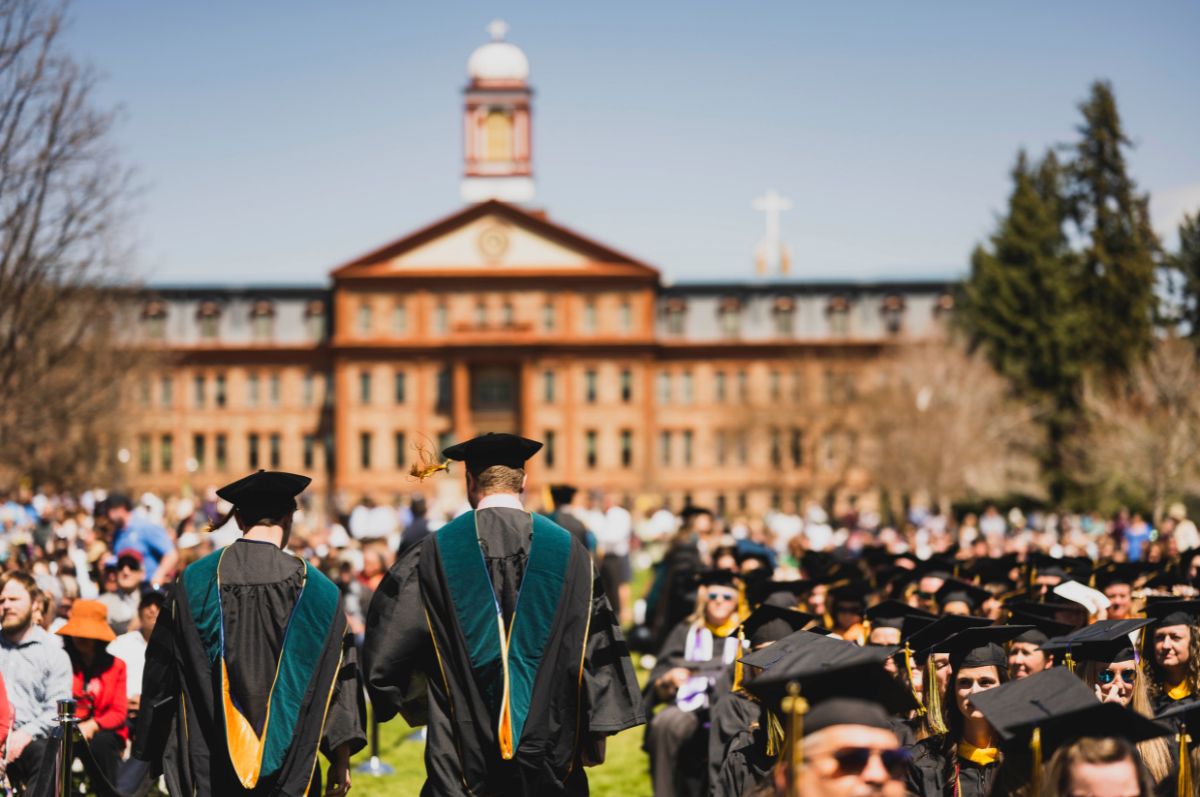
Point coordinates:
pixel 99 686
pixel 6 721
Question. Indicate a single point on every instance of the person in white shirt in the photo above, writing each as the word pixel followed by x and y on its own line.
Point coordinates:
pixel 613 537
pixel 130 647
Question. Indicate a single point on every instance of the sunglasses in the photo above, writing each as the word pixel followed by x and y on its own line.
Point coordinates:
pixel 1106 677
pixel 927 596
pixel 722 596
pixel 853 760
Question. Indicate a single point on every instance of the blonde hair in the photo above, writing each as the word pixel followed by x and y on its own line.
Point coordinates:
pixel 1155 753
pixel 499 479
pixel 1092 750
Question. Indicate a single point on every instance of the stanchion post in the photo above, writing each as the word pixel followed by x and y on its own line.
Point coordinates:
pixel 374 766
pixel 66 749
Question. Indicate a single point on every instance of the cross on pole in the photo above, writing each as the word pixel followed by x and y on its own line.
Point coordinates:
pixel 772 254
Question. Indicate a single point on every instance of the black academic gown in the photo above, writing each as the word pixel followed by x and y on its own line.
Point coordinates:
pixel 737 746
pixel 437 687
pixel 259 585
pixel 936 765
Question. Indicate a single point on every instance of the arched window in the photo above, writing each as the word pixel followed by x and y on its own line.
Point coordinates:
pixel 497 128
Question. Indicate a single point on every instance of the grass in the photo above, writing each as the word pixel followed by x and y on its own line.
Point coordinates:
pixel 624 772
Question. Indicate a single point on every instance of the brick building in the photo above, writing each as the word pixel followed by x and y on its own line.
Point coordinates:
pixel 499 318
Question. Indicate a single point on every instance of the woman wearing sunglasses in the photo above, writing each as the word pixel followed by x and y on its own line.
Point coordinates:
pixel 962 756
pixel 691 660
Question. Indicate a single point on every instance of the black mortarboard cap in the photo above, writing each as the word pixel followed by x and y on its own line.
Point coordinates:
pixel 691 511
pixel 778 593
pixel 922 641
pixel 1043 628
pixel 1117 573
pixel 493 448
pixel 980 647
pixel 762 558
pixel 1098 720
pixel 893 613
pixel 853 591
pixel 772 623
pixel 1028 702
pixel 937 566
pixel 992 569
pixel 1104 641
pixel 562 494
pixel 823 673
pixel 1174 612
pixel 769 656
pixel 715 578
pixel 955 590
pixel 264 494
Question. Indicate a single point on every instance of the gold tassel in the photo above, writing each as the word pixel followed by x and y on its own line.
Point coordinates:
pixel 933 700
pixel 912 684
pixel 1069 662
pixel 737 661
pixel 1184 787
pixel 774 733
pixel 795 706
pixel 1035 749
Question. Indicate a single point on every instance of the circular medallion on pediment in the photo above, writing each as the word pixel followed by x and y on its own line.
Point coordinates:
pixel 493 242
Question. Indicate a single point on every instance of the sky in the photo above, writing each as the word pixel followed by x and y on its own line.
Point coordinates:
pixel 273 141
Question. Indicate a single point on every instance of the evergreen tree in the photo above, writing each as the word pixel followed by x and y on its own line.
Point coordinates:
pixel 1021 306
pixel 1185 265
pixel 1117 263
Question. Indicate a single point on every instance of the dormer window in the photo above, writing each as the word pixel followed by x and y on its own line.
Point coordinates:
pixel 314 320
pixel 675 309
pixel 729 313
pixel 783 311
pixel 838 312
pixel 262 319
pixel 892 311
pixel 154 319
pixel 944 305
pixel 209 317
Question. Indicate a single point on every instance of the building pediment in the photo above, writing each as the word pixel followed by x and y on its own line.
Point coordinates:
pixel 495 240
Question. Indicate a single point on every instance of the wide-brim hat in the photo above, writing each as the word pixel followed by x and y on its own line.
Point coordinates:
pixel 88 620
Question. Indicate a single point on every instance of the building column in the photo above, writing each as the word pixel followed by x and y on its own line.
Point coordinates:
pixel 461 406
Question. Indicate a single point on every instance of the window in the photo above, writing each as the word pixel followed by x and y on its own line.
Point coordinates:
pixel 166 389
pixel 719 390
pixel 364 450
pixel 441 318
pixel 366 319
pixel 308 389
pixel 445 391
pixel 252 390
pixel 274 390
pixel 797 387
pixel 310 451
pixel 209 318
pixel 729 314
pixel 892 311
pixel 589 386
pixel 364 387
pixel 626 386
pixel 590 448
pixel 743 387
pixel 508 316
pixel 742 448
pixel 198 391
pixel 838 313
pixel 262 320
pixel 276 451
pixel 314 320
pixel 253 455
pixel 398 444
pixel 828 451
pixel 664 387
pixel 154 319
pixel 219 389
pixel 686 387
pixel 625 316
pixel 549 317
pixel 688 439
pixel 198 452
pixel 797 447
pixel 548 387
pixel 548 450
pixel 626 448
pixel 775 386
pixel 783 313
pixel 664 448
pixel 166 453
pixel 589 316
pixel 399 318
pixel 145 455
pixel 776 449
pixel 675 311
pixel 221 451
pixel 722 447
pixel 481 314
pixel 400 387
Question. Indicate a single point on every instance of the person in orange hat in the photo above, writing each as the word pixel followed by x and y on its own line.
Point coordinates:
pixel 98 686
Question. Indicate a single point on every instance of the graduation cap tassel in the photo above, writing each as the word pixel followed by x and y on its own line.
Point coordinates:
pixel 1035 750
pixel 933 699
pixel 1069 661
pixel 795 706
pixel 775 736
pixel 912 684
pixel 737 660
pixel 1184 786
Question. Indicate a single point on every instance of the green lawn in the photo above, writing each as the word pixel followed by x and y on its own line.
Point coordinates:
pixel 624 773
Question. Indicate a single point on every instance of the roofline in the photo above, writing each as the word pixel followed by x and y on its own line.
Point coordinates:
pixel 811 287
pixel 213 290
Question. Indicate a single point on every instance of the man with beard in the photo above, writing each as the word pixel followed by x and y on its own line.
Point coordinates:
pixel 37 674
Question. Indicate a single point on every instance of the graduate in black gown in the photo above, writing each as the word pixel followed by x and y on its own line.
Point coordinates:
pixel 964 757
pixel 250 672
pixel 496 634
pixel 1172 648
pixel 744 740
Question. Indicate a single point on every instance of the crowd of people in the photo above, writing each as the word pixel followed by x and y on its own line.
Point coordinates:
pixel 890 632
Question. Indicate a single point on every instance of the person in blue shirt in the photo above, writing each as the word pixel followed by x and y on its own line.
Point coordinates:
pixel 144 536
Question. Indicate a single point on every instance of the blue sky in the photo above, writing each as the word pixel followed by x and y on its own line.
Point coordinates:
pixel 275 140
